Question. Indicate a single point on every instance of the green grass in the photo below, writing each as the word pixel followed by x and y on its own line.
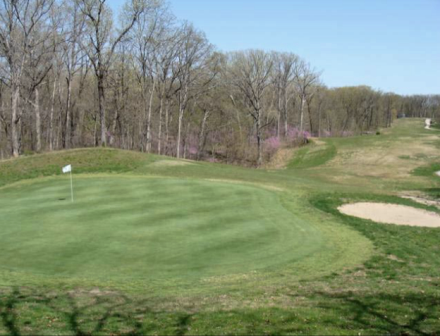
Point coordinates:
pixel 436 126
pixel 84 160
pixel 154 245
pixel 313 156
pixel 429 170
pixel 163 230
pixel 156 228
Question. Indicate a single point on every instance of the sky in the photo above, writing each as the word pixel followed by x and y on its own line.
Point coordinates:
pixel 390 45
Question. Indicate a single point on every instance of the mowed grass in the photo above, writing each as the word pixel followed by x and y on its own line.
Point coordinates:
pixel 154 245
pixel 159 229
pixel 148 228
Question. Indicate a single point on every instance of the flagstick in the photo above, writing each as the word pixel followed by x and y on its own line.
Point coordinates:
pixel 71 184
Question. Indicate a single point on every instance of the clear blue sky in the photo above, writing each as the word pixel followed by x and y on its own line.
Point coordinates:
pixel 392 45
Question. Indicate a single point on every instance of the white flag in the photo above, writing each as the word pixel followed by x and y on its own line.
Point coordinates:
pixel 67 169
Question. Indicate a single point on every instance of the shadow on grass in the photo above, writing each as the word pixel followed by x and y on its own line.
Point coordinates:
pixel 78 314
pixel 403 314
pixel 23 312
pixel 8 314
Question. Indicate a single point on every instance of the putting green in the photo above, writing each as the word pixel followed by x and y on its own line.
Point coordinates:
pixel 129 227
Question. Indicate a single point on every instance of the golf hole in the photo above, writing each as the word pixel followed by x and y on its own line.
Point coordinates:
pixel 392 214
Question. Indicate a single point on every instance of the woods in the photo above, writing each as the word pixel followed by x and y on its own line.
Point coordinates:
pixel 71 77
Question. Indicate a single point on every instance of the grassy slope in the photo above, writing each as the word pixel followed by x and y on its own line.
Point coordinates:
pixel 396 291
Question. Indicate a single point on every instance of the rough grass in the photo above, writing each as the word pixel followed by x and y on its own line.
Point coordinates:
pixel 313 156
pixel 95 160
pixel 365 278
pixel 429 170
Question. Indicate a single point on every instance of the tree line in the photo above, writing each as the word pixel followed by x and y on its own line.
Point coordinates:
pixel 71 77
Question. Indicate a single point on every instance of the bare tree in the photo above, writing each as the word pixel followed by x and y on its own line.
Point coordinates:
pixel 189 68
pixel 147 37
pixel 19 21
pixel 40 63
pixel 305 77
pixel 250 73
pixel 283 76
pixel 165 55
pixel 102 43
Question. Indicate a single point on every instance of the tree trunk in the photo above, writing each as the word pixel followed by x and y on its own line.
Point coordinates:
pixel 286 123
pixel 67 129
pixel 15 121
pixel 95 132
pixel 301 127
pixel 167 121
pixel 140 132
pixel 60 119
pixel 319 121
pixel 202 136
pixel 182 104
pixel 279 115
pixel 260 156
pixel 345 125
pixel 159 133
pixel 115 123
pixel 150 108
pixel 185 140
pixel 179 131
pixel 101 100
pixel 37 119
pixel 52 110
pixel 309 110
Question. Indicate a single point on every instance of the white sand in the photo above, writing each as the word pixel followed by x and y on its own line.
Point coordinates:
pixel 423 201
pixel 392 214
pixel 428 124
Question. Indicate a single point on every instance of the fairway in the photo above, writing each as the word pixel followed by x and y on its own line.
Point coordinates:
pixel 148 228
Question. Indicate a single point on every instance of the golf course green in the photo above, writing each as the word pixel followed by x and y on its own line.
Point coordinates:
pixel 155 245
pixel 152 228
pixel 134 227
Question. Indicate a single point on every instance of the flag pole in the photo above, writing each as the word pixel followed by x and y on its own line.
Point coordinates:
pixel 71 184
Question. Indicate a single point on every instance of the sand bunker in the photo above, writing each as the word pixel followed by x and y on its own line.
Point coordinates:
pixel 392 214
pixel 422 200
pixel 428 124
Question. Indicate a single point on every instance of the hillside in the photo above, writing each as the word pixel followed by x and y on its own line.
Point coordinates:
pixel 156 245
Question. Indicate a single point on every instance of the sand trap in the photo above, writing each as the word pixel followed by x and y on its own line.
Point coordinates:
pixel 392 214
pixel 428 124
pixel 423 201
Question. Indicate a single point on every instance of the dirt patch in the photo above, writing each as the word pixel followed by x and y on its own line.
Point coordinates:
pixel 392 214
pixel 394 258
pixel 318 142
pixel 281 158
pixel 171 163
